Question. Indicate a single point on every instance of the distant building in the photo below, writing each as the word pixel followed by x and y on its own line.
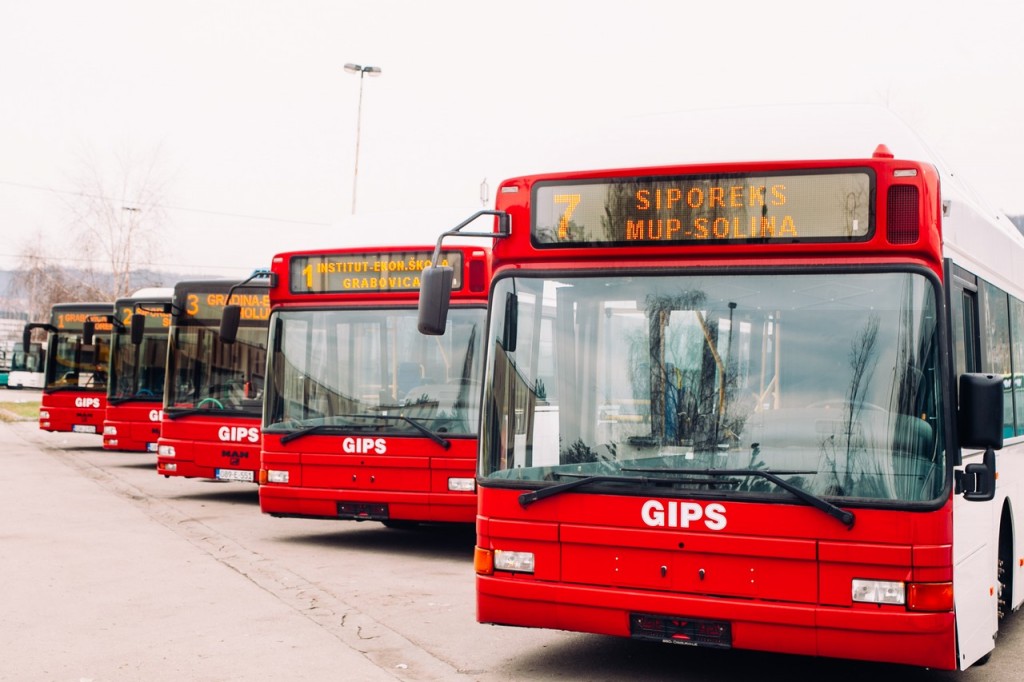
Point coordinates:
pixel 11 325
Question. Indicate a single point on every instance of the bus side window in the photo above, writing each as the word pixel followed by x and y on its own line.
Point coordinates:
pixel 964 319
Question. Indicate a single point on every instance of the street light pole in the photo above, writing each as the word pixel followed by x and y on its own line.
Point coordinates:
pixel 362 71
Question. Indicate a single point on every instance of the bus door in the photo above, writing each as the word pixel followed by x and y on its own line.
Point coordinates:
pixel 975 560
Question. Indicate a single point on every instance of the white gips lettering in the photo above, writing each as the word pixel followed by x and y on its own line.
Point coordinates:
pixel 672 514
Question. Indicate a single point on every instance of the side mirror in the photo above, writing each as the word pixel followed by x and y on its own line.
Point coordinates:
pixel 435 295
pixel 26 338
pixel 977 483
pixel 980 425
pixel 229 319
pixel 88 331
pixel 138 328
pixel 980 418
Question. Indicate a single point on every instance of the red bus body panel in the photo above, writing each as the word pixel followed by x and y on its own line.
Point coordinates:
pixel 80 411
pixel 203 445
pixel 778 573
pixel 411 479
pixel 137 424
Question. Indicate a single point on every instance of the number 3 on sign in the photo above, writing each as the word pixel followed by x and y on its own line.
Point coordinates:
pixel 571 201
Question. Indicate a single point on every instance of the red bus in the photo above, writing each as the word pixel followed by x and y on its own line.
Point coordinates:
pixel 753 406
pixel 214 397
pixel 77 355
pixel 365 418
pixel 138 356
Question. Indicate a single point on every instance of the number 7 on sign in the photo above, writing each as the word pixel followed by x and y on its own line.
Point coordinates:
pixel 571 201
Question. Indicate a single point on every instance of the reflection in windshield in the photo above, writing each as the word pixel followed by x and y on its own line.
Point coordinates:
pixel 829 378
pixel 207 374
pixel 75 365
pixel 372 370
pixel 137 371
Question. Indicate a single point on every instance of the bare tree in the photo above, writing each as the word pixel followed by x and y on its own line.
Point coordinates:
pixel 117 216
pixel 42 283
pixel 114 223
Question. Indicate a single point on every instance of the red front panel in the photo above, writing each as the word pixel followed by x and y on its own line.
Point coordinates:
pixel 224 448
pixel 780 575
pixel 79 411
pixel 369 478
pixel 132 426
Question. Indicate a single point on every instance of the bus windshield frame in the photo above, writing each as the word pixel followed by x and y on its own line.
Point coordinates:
pixel 725 370
pixel 368 369
pixel 137 371
pixel 205 373
pixel 71 364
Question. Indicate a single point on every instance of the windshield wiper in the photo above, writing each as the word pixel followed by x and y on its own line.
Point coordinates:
pixel 526 499
pixel 125 398
pixel 845 517
pixel 315 428
pixel 436 437
pixel 176 412
pixel 70 387
pixel 342 428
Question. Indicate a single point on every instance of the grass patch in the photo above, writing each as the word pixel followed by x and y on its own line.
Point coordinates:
pixel 10 412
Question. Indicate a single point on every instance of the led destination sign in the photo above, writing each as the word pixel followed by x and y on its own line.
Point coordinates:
pixel 74 321
pixel 208 305
pixel 650 211
pixel 355 273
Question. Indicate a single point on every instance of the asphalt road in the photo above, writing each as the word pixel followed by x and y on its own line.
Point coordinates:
pixel 111 572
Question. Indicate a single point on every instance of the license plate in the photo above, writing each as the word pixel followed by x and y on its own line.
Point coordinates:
pixel 83 428
pixel 716 634
pixel 235 475
pixel 151 447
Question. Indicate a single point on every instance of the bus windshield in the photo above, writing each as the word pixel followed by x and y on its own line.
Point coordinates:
pixel 73 364
pixel 27 362
pixel 829 381
pixel 369 369
pixel 208 374
pixel 137 371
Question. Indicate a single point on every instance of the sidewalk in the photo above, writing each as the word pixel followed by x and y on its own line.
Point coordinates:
pixel 94 589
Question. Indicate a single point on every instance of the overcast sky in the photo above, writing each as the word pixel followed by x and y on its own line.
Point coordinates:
pixel 253 119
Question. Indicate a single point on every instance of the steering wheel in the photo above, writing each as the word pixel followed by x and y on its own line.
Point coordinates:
pixel 144 391
pixel 212 401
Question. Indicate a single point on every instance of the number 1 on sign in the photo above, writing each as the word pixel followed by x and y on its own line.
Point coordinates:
pixel 308 272
pixel 571 201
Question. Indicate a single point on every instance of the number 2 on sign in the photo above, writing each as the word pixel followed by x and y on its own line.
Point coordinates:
pixel 571 201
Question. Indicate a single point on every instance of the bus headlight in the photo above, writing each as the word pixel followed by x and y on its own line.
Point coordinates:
pixel 44 414
pixel 276 476
pixel 109 430
pixel 170 466
pixel 166 451
pixel 519 562
pixel 461 485
pixel 879 592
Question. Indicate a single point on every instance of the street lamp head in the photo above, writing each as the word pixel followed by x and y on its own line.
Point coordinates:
pixel 363 70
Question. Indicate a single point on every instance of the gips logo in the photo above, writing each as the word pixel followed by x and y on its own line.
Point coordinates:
pixel 670 514
pixel 364 446
pixel 239 434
